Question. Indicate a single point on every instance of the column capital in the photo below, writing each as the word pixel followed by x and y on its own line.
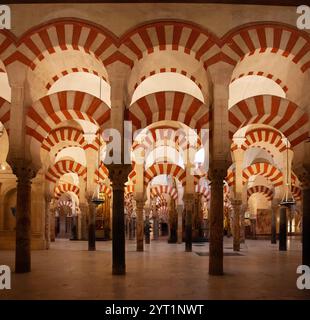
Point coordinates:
pixel 118 174
pixel 303 175
pixel 24 171
pixel 217 173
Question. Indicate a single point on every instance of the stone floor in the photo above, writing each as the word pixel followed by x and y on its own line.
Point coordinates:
pixel 163 271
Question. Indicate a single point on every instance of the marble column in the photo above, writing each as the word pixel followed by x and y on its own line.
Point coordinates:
pixel 140 225
pixel 237 211
pixel 242 224
pixel 155 227
pixel 180 223
pixel 306 226
pixel 216 176
pixel 147 226
pixel 118 174
pixel 189 202
pixel 52 225
pixel 24 176
pixel 173 223
pixel 283 229
pixel 91 225
pixel 274 210
pixel 48 200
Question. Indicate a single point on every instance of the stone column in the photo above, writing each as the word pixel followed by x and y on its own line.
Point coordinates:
pixel 189 201
pixel 48 200
pixel 118 174
pixel 147 226
pixel 306 225
pixel 140 225
pixel 283 229
pixel 216 175
pixel 274 209
pixel 180 223
pixel 242 224
pixel 173 223
pixel 24 176
pixel 237 211
pixel 52 224
pixel 91 225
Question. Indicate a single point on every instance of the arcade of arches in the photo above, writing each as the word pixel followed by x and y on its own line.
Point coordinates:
pixel 64 81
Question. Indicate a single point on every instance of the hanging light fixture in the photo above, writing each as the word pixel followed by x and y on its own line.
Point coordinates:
pixel 288 199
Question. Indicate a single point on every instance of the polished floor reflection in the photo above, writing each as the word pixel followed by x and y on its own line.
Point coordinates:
pixel 163 271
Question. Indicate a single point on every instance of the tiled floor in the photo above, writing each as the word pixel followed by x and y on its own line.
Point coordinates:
pixel 163 271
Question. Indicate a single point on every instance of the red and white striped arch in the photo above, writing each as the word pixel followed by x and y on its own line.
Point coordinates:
pixel 102 173
pixel 59 36
pixel 268 37
pixel 63 73
pixel 175 106
pixel 7 46
pixel 129 189
pixel 65 187
pixel 158 190
pixel 51 110
pixel 165 168
pixel 65 203
pixel 263 74
pixel 163 136
pixel 260 189
pixel 262 137
pixel 273 174
pixel 170 35
pixel 5 109
pixel 204 191
pixel 55 172
pixel 170 69
pixel 106 190
pixel 276 112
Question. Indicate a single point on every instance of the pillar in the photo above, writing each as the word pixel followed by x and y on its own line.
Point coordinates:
pixel 242 224
pixel 147 226
pixel 306 226
pixel 216 175
pixel 48 200
pixel 180 223
pixel 91 225
pixel 118 174
pixel 173 222
pixel 140 225
pixel 283 229
pixel 274 209
pixel 189 201
pixel 237 211
pixel 52 224
pixel 24 176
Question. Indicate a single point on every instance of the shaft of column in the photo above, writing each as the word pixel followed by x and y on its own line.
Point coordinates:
pixel 91 226
pixel 52 225
pixel 273 225
pixel 118 174
pixel 237 209
pixel 118 233
pixel 47 233
pixel 189 198
pixel 283 230
pixel 216 221
pixel 140 225
pixel 306 227
pixel 147 228
pixel 23 219
pixel 180 224
pixel 155 228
